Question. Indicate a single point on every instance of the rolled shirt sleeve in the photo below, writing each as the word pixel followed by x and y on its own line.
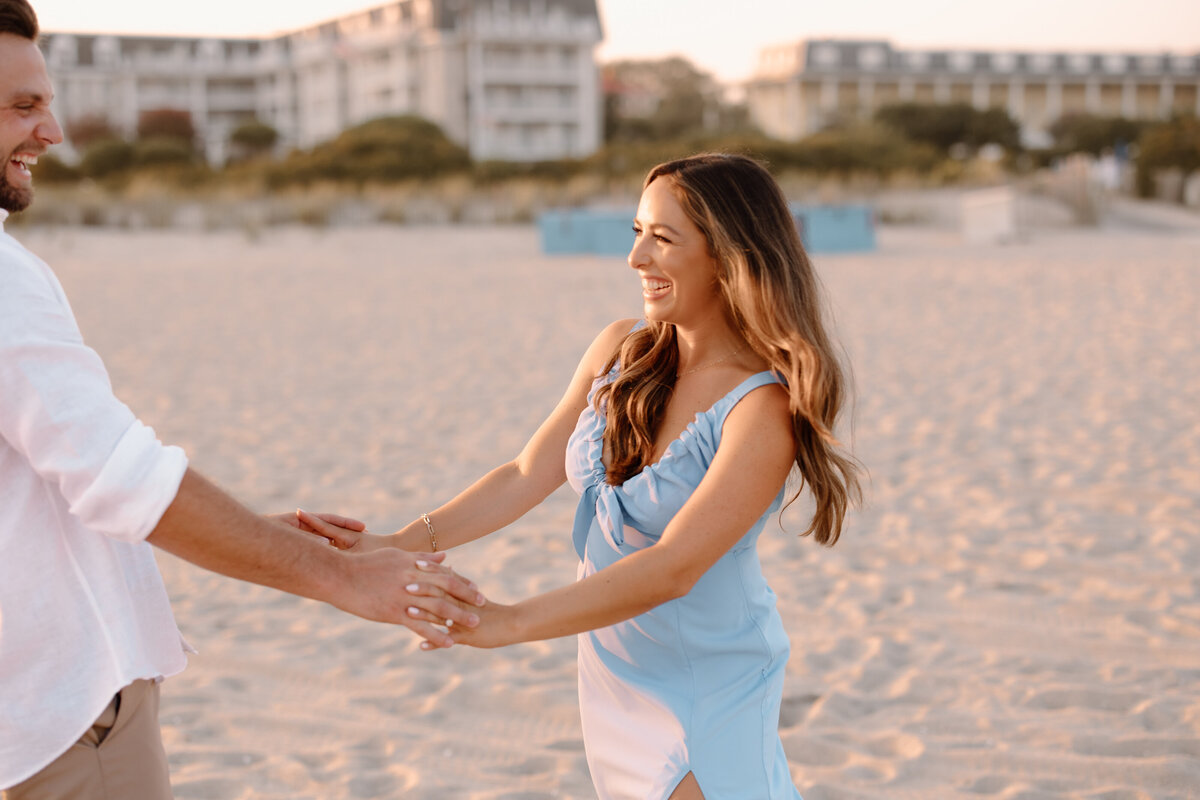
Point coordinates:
pixel 57 409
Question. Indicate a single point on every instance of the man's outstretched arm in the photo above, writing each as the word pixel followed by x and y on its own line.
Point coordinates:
pixel 207 527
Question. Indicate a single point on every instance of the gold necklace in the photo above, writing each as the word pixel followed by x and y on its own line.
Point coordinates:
pixel 679 375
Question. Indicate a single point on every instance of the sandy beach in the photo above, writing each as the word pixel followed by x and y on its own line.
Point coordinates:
pixel 1014 614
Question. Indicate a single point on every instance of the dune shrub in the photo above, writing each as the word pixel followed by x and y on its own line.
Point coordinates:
pixel 106 158
pixel 52 169
pixel 383 150
pixel 163 151
pixel 252 139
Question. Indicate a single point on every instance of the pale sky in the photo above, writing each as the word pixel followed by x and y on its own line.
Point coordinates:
pixel 720 36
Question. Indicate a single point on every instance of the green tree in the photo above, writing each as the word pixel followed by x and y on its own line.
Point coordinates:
pixel 861 148
pixel 664 99
pixel 1090 133
pixel 993 126
pixel 943 125
pixel 1174 144
pixel 253 138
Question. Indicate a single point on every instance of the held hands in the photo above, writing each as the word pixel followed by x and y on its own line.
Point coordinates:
pixel 498 627
pixel 387 584
pixel 341 532
pixel 411 589
pixel 295 520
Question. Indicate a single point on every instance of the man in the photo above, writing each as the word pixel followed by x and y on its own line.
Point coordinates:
pixel 86 631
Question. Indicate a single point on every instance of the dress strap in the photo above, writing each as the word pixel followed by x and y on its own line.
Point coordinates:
pixel 755 381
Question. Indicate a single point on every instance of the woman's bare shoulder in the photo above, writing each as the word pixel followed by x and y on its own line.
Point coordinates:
pixel 606 343
pixel 764 413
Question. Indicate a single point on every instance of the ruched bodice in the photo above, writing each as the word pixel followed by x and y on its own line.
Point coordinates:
pixel 649 500
pixel 695 684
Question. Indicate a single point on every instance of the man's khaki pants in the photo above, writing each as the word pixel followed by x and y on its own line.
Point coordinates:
pixel 120 758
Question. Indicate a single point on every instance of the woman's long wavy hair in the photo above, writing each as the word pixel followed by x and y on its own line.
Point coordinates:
pixel 773 300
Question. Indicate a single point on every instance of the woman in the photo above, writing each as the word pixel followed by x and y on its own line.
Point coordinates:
pixel 680 432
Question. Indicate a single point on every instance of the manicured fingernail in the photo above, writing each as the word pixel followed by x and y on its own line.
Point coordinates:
pixel 426 646
pixel 412 588
pixel 472 620
pixel 413 611
pixel 449 623
pixel 480 599
pixel 422 564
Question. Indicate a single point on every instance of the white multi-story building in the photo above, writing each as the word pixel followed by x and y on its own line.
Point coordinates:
pixel 508 79
pixel 801 88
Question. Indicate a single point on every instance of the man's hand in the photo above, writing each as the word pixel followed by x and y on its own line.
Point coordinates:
pixel 411 589
pixel 439 599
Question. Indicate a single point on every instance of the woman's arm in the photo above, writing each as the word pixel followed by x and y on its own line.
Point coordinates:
pixel 507 492
pixel 756 453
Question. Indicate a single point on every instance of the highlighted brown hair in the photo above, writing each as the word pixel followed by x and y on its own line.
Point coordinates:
pixel 773 300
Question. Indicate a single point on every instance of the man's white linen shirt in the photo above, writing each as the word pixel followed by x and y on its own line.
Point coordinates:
pixel 83 609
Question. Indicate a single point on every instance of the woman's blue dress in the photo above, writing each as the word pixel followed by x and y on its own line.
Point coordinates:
pixel 695 684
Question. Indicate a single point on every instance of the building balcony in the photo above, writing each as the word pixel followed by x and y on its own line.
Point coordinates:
pixel 548 29
pixel 501 115
pixel 527 74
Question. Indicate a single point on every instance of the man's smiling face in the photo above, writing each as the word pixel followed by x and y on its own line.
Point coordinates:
pixel 27 127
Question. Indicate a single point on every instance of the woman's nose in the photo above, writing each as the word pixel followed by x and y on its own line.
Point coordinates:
pixel 637 254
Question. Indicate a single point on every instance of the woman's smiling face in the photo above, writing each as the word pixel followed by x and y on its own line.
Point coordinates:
pixel 679 275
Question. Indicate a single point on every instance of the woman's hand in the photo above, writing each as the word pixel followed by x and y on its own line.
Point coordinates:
pixel 342 532
pixel 498 627
pixel 347 526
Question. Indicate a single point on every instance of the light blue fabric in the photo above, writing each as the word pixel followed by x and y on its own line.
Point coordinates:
pixel 695 684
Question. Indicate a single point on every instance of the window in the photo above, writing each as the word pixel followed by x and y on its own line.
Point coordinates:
pixel 1004 62
pixel 871 57
pixel 917 60
pixel 1183 64
pixel 1041 62
pixel 961 62
pixel 826 55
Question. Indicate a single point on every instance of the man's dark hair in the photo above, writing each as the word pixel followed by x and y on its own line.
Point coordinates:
pixel 17 17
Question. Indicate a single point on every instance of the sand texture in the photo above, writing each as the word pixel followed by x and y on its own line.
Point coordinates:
pixel 1015 614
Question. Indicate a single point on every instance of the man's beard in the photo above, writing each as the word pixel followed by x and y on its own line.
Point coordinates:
pixel 13 198
pixel 17 198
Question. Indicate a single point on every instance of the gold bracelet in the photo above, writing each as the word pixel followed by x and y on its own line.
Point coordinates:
pixel 432 533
